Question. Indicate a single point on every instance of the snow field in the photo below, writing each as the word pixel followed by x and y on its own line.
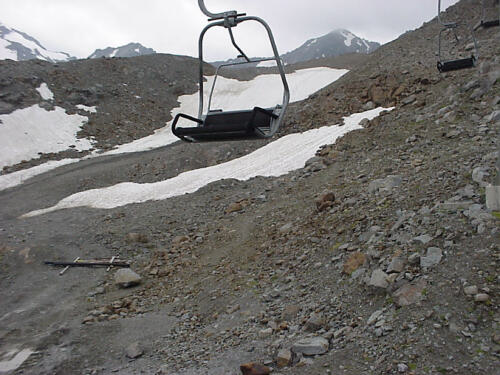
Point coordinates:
pixel 27 132
pixel 275 159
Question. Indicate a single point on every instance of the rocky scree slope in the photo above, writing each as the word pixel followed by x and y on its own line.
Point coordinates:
pixel 133 96
pixel 378 257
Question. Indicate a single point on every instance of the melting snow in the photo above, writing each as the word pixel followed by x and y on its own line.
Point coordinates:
pixel 230 94
pixel 45 92
pixel 349 37
pixel 302 84
pixel 27 132
pixel 6 53
pixel 14 36
pixel 16 178
pixel 275 159
pixel 266 64
pixel 86 108
pixel 16 361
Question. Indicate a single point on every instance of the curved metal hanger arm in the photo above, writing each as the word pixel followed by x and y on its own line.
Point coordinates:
pixel 215 16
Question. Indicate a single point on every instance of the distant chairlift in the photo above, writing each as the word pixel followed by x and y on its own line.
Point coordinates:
pixel 454 64
pixel 488 23
pixel 217 124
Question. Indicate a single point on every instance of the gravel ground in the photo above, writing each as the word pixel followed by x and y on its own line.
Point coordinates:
pixel 379 257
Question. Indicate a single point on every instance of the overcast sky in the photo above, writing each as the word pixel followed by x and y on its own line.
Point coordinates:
pixel 78 27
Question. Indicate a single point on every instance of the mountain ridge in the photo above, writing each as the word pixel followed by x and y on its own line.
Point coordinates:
pixel 18 46
pixel 127 50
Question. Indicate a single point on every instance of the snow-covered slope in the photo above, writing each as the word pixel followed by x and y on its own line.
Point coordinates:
pixel 16 45
pixel 275 159
pixel 38 129
pixel 129 50
pixel 338 42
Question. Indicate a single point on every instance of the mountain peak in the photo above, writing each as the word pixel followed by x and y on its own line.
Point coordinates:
pixel 17 45
pixel 335 43
pixel 128 50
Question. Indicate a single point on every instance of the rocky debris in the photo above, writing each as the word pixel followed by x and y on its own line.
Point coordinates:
pixel 283 252
pixel 134 350
pixel 397 265
pixel 379 279
pixel 493 198
pixel 481 297
pixel 137 237
pixel 410 293
pixel 311 346
pixel 355 260
pixel 315 322
pixel 254 369
pixel 385 184
pixel 126 278
pixel 432 257
pixel 325 200
pixel 290 312
pixel 471 290
pixel 237 206
pixel 284 358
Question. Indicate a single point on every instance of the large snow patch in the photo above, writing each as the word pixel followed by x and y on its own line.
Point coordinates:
pixel 275 159
pixel 26 133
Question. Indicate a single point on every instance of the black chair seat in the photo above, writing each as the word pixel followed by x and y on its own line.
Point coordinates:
pixel 245 124
pixel 492 23
pixel 447 66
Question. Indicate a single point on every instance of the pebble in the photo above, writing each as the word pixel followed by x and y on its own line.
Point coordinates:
pixel 471 290
pixel 481 297
pixel 134 351
pixel 126 278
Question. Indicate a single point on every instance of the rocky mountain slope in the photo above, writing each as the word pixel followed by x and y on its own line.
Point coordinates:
pixel 18 46
pixel 129 50
pixel 379 257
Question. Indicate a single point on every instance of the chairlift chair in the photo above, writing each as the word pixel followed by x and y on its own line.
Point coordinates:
pixel 488 23
pixel 454 64
pixel 217 124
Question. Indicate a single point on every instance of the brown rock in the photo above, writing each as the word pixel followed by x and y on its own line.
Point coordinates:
pixel 179 240
pixel 234 207
pixel 137 237
pixel 290 312
pixel 354 261
pixel 409 294
pixel 315 322
pixel 325 200
pixel 284 358
pixel 254 369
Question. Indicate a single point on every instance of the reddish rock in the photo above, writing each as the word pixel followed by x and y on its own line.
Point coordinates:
pixel 354 261
pixel 409 294
pixel 254 369
pixel 325 200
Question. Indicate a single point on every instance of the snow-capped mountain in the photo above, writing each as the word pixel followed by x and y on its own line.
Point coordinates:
pixel 16 45
pixel 129 50
pixel 335 43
